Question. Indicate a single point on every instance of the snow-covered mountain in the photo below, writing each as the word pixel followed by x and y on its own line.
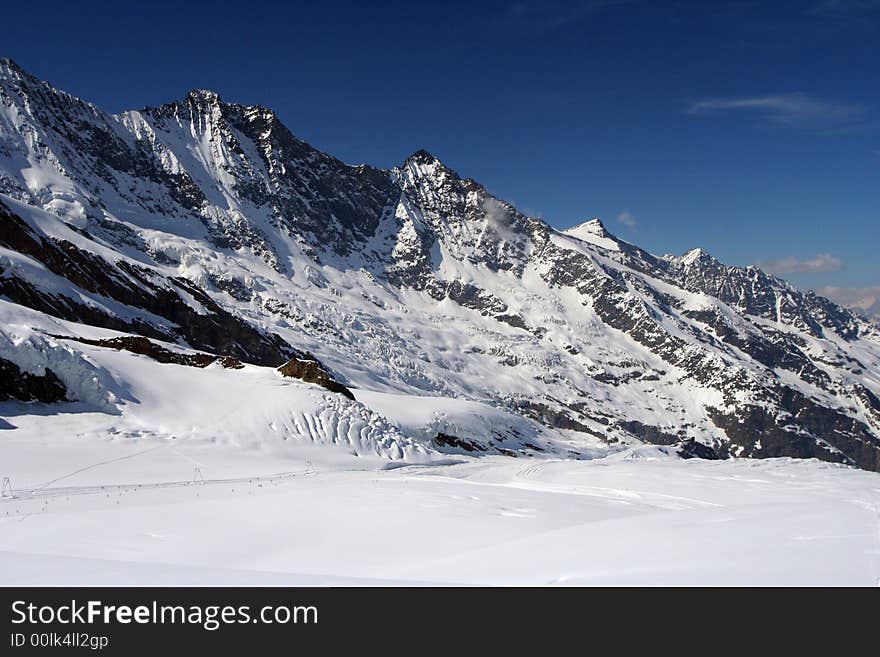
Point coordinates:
pixel 207 226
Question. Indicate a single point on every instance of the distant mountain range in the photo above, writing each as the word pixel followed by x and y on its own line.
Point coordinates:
pixel 864 301
pixel 207 225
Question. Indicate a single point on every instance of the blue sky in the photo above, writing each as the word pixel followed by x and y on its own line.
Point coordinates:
pixel 750 129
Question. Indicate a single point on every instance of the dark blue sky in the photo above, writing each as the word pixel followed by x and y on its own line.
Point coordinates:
pixel 750 129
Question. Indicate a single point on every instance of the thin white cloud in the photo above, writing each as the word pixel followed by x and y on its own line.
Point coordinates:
pixel 627 218
pixel 822 262
pixel 542 18
pixel 864 300
pixel 789 109
pixel 498 218
pixel 844 9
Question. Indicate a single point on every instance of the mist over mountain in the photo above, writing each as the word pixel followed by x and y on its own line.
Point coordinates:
pixel 864 301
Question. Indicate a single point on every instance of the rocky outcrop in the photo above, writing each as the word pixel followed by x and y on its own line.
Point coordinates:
pixel 146 347
pixel 311 371
pixel 174 308
pixel 25 386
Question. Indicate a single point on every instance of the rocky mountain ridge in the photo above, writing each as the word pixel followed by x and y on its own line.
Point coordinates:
pixel 210 224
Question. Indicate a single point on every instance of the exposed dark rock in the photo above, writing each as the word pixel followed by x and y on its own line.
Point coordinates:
pixel 648 433
pixel 554 417
pixel 691 449
pixel 146 347
pixel 25 386
pixel 470 296
pixel 445 440
pixel 311 371
pixel 513 320
pixel 235 288
pixel 139 287
pixel 770 348
pixel 804 430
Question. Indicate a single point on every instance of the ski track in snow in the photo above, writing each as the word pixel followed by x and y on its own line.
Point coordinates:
pixel 490 520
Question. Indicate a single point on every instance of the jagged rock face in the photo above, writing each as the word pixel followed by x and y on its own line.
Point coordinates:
pixel 25 386
pixel 419 280
pixel 146 347
pixel 168 308
pixel 463 217
pixel 311 371
pixel 237 170
pixel 265 171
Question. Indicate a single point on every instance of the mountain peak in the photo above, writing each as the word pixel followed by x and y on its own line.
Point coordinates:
pixel 422 156
pixel 696 255
pixel 594 232
pixel 204 96
pixel 9 66
pixel 422 163
pixel 593 226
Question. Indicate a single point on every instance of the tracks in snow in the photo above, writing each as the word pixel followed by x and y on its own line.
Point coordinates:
pixel 44 492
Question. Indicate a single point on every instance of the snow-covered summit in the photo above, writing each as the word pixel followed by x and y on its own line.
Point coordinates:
pixel 698 257
pixel 593 232
pixel 422 156
pixel 204 95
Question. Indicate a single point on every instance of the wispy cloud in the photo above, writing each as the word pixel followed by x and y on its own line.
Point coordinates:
pixel 865 300
pixel 627 218
pixel 541 18
pixel 822 262
pixel 788 109
pixel 845 9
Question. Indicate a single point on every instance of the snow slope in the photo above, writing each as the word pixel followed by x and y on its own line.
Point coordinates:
pixel 638 517
pixel 165 473
pixel 125 394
